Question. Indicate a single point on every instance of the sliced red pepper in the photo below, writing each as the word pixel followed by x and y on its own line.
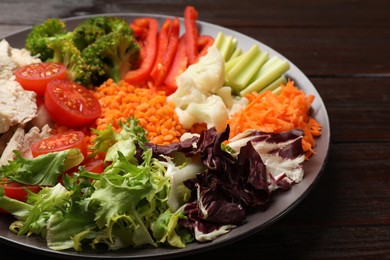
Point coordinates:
pixel 139 30
pixel 191 34
pixel 162 43
pixel 148 43
pixel 179 65
pixel 168 40
pixel 204 42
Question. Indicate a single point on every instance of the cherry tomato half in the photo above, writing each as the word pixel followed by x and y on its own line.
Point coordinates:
pixel 60 142
pixel 16 190
pixel 94 165
pixel 71 104
pixel 36 76
pixel 90 164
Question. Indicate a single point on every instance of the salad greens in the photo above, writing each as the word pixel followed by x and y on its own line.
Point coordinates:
pixel 151 195
pixel 43 170
pixel 119 208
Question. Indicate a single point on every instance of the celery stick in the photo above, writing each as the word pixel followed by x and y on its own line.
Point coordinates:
pixel 269 64
pixel 277 90
pixel 237 52
pixel 269 73
pixel 230 64
pixel 226 45
pixel 275 84
pixel 243 66
pixel 254 65
pixel 218 40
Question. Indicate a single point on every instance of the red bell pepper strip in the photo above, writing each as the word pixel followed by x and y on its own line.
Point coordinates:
pixel 168 40
pixel 191 34
pixel 204 42
pixel 162 43
pixel 179 65
pixel 148 43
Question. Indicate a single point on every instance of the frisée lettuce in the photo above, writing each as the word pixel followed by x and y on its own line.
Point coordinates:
pixel 124 206
pixel 150 195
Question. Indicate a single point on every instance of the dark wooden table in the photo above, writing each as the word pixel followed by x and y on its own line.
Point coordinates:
pixel 343 46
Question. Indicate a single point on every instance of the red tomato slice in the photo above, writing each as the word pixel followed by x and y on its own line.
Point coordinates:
pixel 90 164
pixel 71 104
pixel 36 76
pixel 94 165
pixel 15 190
pixel 60 142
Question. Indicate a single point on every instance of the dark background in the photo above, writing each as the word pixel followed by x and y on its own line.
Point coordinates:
pixel 343 46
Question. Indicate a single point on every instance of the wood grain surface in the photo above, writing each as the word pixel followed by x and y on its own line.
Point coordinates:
pixel 343 46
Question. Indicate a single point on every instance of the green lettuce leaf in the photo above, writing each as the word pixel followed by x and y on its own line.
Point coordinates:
pixel 43 170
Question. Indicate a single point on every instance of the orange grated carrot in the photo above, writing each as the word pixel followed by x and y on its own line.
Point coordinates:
pixel 269 112
pixel 120 101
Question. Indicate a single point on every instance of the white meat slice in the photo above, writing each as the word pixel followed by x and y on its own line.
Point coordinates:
pixel 18 106
pixel 5 122
pixel 23 57
pixel 33 135
pixel 4 138
pixel 7 64
pixel 22 142
pixel 13 58
pixel 14 144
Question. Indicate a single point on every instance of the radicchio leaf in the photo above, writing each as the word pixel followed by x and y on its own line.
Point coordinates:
pixel 231 185
pixel 282 154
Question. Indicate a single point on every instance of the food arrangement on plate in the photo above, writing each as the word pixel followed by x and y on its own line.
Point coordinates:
pixel 143 134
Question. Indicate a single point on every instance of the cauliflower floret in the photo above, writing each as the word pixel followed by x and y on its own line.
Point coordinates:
pixel 213 112
pixel 207 75
pixel 187 95
pixel 200 96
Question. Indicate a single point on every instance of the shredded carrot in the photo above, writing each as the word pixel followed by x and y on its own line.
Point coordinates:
pixel 120 101
pixel 270 112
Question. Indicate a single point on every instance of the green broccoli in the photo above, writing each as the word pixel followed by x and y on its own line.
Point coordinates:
pixel 97 49
pixel 111 55
pixel 65 52
pixel 88 31
pixel 41 34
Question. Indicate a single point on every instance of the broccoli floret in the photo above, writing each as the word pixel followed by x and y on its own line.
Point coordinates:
pixel 93 28
pixel 41 34
pixel 65 52
pixel 112 55
pixel 87 32
pixel 97 49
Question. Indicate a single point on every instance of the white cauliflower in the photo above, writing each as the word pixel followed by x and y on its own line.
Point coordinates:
pixel 196 97
pixel 213 112
pixel 207 75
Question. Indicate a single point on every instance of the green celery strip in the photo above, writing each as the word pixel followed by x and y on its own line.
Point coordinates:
pixel 248 65
pixel 237 52
pixel 274 85
pixel 231 63
pixel 277 90
pixel 226 45
pixel 272 70
pixel 241 80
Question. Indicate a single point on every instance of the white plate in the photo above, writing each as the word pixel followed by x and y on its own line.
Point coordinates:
pixel 282 202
